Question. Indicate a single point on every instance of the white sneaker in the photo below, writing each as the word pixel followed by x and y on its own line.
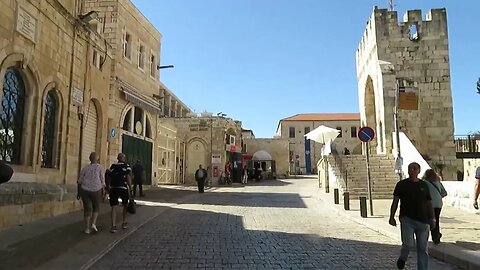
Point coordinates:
pixel 94 228
pixel 87 231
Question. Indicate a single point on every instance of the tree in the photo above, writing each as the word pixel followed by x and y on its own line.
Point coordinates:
pixel 478 86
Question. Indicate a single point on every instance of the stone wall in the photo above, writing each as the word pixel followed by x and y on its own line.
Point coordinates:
pixel 422 63
pixel 26 202
pixel 53 54
pixel 277 148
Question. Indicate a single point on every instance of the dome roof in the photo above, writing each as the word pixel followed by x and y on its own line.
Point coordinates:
pixel 261 155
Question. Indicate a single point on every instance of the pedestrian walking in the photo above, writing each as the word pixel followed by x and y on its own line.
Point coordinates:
pixel 200 176
pixel 244 175
pixel 119 184
pixel 416 216
pixel 138 178
pixel 91 184
pixel 437 192
pixel 476 190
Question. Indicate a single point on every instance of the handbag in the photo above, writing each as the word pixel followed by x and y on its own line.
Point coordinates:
pixel 131 208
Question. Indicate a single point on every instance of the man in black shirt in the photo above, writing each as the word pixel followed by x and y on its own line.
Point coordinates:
pixel 416 213
pixel 200 176
pixel 119 184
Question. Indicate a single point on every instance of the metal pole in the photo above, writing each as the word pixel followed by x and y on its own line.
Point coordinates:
pixel 397 131
pixel 369 180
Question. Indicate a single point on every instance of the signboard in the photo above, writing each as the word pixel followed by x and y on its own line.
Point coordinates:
pixel 113 133
pixel 26 24
pixel 408 98
pixel 77 96
pixel 216 159
pixel 366 134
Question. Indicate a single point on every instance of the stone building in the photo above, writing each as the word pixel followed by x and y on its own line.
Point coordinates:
pixel 304 154
pixel 277 148
pixel 413 53
pixel 53 73
pixel 207 140
pixel 137 97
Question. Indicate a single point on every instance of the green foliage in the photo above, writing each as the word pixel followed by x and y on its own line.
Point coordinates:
pixel 478 86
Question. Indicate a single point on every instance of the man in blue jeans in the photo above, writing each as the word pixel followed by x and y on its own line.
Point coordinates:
pixel 416 216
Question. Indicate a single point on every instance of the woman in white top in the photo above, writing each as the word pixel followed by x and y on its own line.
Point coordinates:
pixel 90 186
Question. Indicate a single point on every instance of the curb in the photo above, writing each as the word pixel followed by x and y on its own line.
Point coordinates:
pixel 446 252
pixel 112 245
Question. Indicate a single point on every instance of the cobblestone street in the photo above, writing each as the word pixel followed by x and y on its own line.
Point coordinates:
pixel 266 225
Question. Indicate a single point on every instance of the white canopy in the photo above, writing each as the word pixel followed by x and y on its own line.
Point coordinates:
pixel 262 155
pixel 323 134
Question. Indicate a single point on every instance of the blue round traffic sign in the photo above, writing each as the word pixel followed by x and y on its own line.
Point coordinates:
pixel 366 134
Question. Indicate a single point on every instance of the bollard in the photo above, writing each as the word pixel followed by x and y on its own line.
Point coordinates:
pixel 363 207
pixel 336 196
pixel 346 201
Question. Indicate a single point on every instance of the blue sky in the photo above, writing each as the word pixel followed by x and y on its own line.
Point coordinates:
pixel 260 61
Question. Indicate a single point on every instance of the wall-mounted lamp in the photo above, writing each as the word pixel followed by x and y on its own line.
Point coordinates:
pixel 162 67
pixel 90 16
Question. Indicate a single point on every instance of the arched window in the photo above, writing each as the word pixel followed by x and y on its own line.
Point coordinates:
pixel 137 122
pixel 49 129
pixel 12 116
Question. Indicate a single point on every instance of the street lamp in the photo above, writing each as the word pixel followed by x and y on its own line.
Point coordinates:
pixel 162 67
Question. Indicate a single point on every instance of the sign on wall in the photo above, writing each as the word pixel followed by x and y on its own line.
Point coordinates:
pixel 26 24
pixel 77 96
pixel 408 98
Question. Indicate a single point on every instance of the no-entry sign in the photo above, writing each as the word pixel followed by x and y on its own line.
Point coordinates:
pixel 366 134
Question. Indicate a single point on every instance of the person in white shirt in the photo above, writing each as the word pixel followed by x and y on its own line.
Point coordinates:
pixel 90 186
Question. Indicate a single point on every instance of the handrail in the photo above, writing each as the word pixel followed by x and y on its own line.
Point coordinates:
pixel 467 143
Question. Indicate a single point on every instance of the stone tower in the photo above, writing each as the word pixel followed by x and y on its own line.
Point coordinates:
pixel 414 52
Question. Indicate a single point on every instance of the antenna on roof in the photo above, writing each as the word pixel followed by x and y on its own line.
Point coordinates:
pixel 391 6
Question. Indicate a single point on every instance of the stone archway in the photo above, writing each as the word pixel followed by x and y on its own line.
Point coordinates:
pixel 196 150
pixel 371 111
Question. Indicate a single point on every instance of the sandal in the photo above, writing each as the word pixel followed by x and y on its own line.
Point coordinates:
pixel 475 205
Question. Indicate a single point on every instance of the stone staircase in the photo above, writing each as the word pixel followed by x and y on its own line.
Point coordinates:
pixel 353 168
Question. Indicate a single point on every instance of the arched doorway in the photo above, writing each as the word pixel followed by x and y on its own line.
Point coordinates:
pixel 137 143
pixel 90 128
pixel 196 150
pixel 371 111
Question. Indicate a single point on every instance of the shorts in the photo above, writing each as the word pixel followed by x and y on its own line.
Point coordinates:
pixel 116 193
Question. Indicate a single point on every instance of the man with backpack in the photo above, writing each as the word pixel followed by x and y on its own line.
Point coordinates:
pixel 119 185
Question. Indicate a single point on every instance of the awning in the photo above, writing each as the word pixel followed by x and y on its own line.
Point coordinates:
pixel 142 101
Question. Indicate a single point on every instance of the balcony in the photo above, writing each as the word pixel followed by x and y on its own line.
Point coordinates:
pixel 467 146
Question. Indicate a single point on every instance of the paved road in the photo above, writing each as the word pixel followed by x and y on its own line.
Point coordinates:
pixel 270 225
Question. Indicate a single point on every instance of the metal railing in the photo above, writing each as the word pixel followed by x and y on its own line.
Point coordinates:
pixel 467 143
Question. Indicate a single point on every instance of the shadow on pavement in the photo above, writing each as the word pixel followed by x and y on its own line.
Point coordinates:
pixel 195 239
pixel 247 199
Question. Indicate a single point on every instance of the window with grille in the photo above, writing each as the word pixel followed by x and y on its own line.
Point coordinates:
pixel 12 116
pixel 340 134
pixel 49 128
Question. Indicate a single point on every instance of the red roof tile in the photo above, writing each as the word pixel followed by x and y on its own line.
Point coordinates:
pixel 324 117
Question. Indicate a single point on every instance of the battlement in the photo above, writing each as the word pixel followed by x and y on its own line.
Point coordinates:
pixel 383 22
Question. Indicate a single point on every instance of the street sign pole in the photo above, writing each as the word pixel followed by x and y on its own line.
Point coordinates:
pixel 397 131
pixel 369 179
pixel 366 134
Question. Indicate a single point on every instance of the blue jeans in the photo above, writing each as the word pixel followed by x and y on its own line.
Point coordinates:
pixel 409 228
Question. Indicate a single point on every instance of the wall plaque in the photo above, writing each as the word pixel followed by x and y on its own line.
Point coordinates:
pixel 26 24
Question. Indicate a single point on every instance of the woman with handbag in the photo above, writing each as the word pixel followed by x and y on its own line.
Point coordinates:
pixel 437 192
